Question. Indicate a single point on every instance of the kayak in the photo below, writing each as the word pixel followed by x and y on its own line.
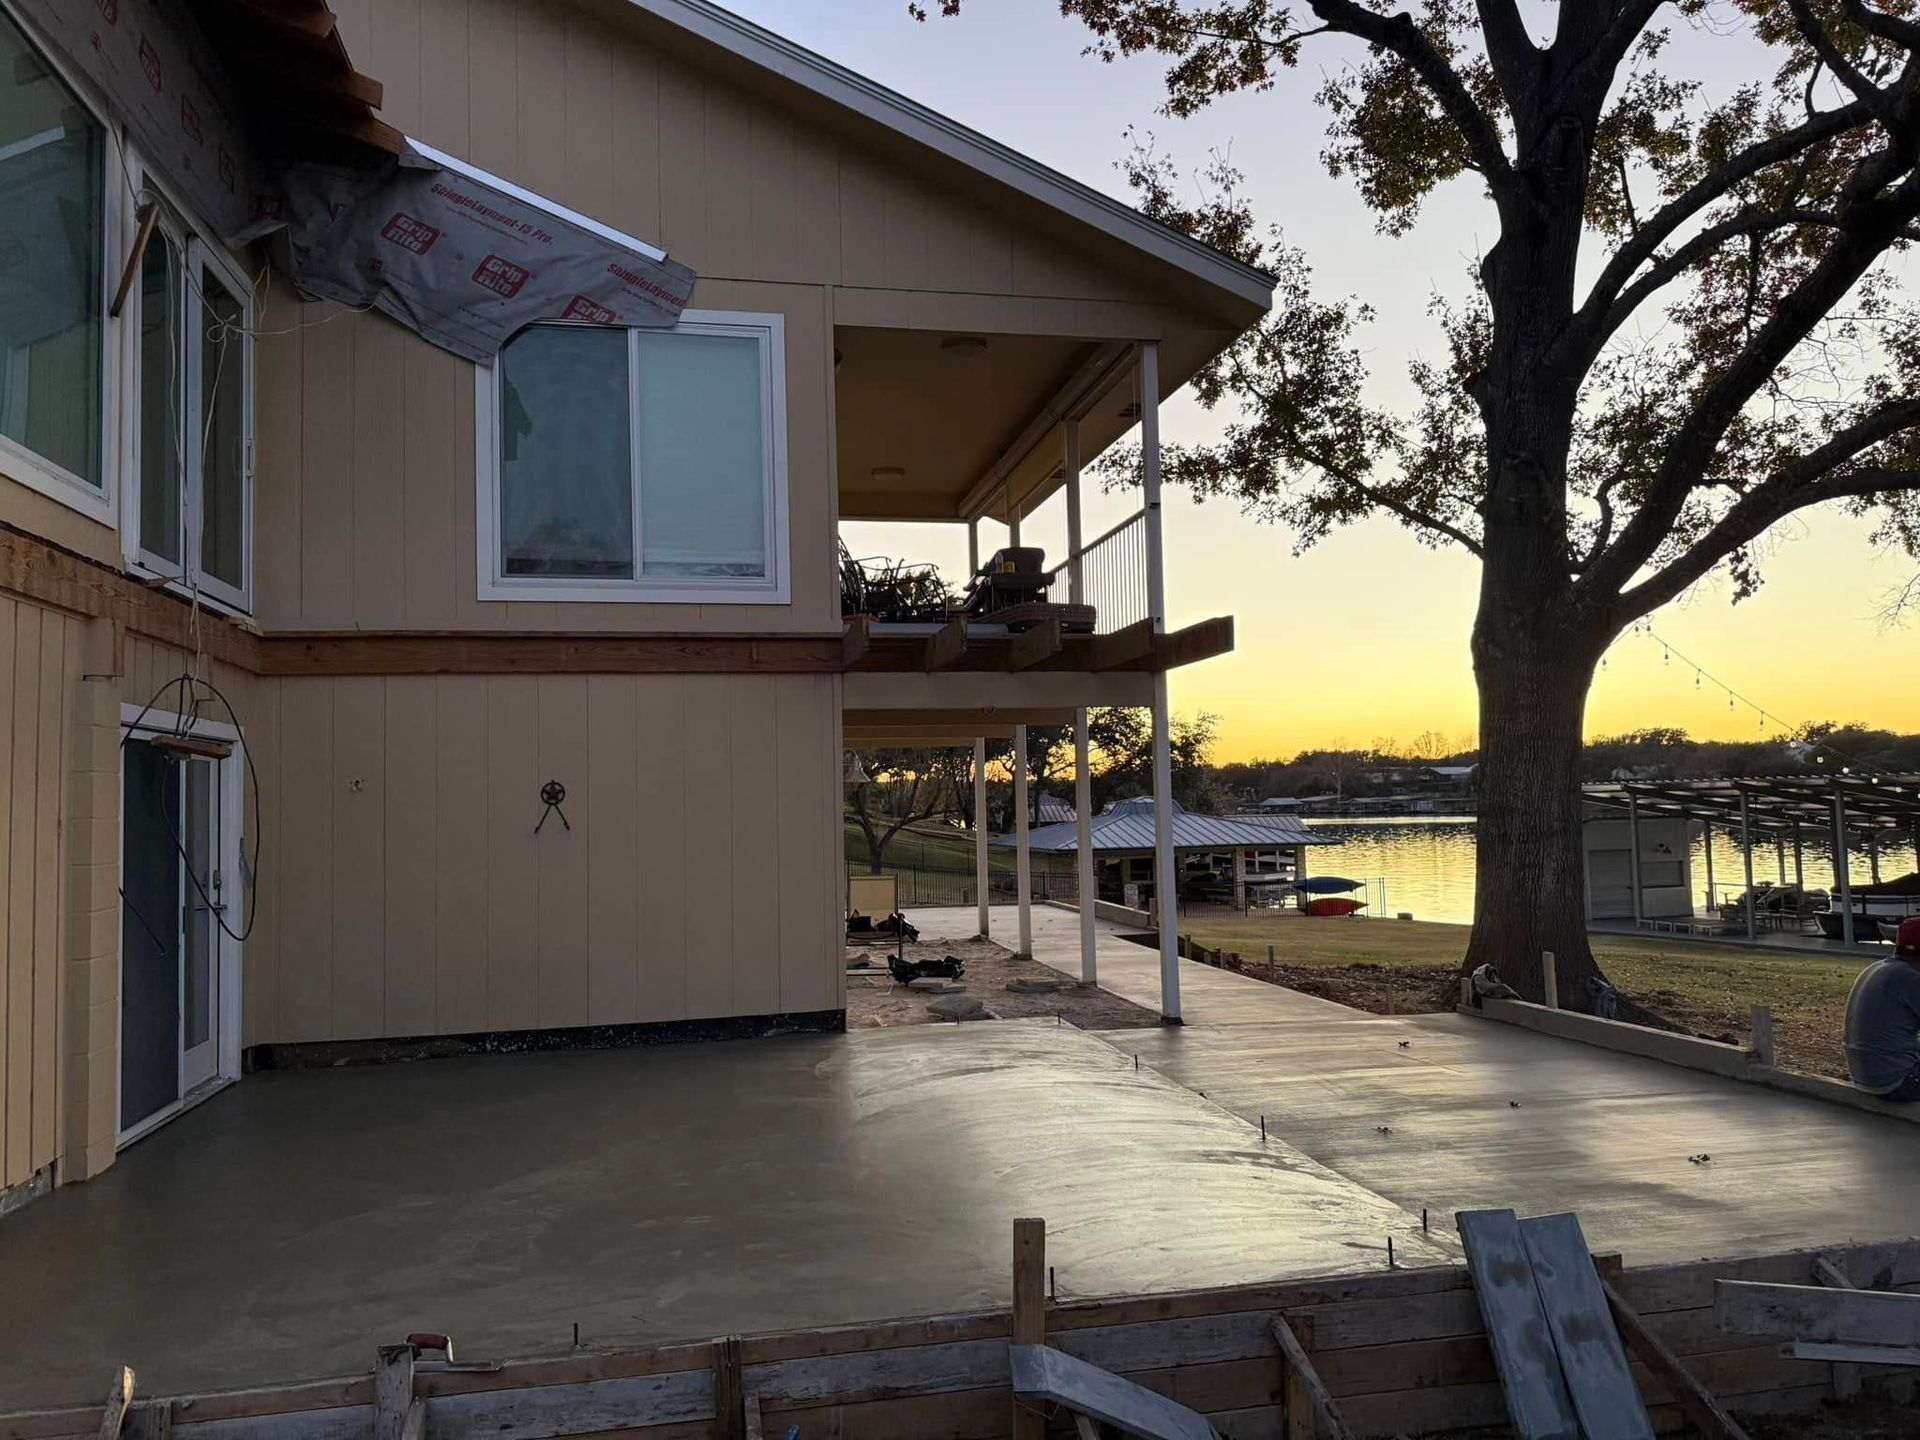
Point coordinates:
pixel 1329 906
pixel 1327 885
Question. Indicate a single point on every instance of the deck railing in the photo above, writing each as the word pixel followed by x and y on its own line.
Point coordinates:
pixel 1113 575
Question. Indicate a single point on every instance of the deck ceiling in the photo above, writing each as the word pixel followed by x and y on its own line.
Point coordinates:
pixel 941 411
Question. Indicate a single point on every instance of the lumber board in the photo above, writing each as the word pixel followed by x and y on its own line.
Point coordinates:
pixel 1853 1356
pixel 1689 1284
pixel 1591 1360
pixel 1517 1329
pixel 729 1390
pixel 540 1412
pixel 1809 1312
pixel 876 1374
pixel 119 1396
pixel 1846 1376
pixel 753 1426
pixel 1124 647
pixel 945 646
pixel 1033 645
pixel 1307 1397
pixel 392 1391
pixel 1042 1374
pixel 1696 1402
pixel 1029 1313
pixel 148 1420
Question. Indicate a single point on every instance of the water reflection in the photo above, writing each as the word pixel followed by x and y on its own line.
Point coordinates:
pixel 1427 863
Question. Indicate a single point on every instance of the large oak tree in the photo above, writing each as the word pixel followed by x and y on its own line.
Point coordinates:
pixel 1691 326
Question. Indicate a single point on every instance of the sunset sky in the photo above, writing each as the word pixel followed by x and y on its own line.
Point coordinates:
pixel 1363 638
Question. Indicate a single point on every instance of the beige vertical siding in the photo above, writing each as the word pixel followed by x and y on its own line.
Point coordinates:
pixel 697 878
pixel 366 432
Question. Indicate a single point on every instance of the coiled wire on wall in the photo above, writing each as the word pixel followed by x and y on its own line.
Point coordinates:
pixel 187 711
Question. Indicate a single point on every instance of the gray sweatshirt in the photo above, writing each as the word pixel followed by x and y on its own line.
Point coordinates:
pixel 1883 1025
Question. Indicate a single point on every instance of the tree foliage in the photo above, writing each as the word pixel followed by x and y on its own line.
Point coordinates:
pixel 1705 291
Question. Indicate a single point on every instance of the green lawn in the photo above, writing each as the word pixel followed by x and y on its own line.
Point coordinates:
pixel 1706 987
pixel 918 847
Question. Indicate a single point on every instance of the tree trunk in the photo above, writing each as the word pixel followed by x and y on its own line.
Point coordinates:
pixel 1530 887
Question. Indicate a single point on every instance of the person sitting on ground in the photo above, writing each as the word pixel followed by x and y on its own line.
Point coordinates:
pixel 1883 1021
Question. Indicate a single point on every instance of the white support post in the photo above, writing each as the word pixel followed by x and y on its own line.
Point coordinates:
pixel 1633 852
pixel 1708 835
pixel 1022 856
pixel 1746 856
pixel 973 549
pixel 1076 567
pixel 1083 845
pixel 1013 524
pixel 1165 883
pixel 1873 856
pixel 981 871
pixel 1840 866
pixel 1166 893
pixel 1799 860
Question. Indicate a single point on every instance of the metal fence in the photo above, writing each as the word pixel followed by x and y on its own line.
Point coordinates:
pixel 1113 571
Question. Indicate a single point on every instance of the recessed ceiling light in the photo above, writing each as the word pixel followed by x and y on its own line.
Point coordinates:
pixel 887 474
pixel 963 347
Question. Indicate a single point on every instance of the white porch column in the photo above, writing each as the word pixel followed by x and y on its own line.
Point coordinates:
pixel 1076 569
pixel 1799 860
pixel 973 548
pixel 1746 855
pixel 1022 857
pixel 1633 851
pixel 1013 524
pixel 1083 845
pixel 1165 883
pixel 1708 835
pixel 981 869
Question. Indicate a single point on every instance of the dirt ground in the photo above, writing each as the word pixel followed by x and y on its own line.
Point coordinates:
pixel 1409 967
pixel 874 1000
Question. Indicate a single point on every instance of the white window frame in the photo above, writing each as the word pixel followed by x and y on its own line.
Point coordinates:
pixel 17 462
pixel 197 256
pixel 774 589
pixel 141 722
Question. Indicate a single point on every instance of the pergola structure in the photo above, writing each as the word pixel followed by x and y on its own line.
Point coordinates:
pixel 1878 808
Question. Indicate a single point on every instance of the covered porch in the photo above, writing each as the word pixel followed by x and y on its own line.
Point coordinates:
pixel 989 434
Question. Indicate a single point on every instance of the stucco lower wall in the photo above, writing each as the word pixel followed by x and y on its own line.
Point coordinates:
pixel 409 894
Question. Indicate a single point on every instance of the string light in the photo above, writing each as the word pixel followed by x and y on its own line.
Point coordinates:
pixel 1734 698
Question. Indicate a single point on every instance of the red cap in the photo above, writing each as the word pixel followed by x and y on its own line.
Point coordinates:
pixel 1906 940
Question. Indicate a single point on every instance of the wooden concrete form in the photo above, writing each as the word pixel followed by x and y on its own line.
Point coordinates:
pixel 1399 1351
pixel 1732 1062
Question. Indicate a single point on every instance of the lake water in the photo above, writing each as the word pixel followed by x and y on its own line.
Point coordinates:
pixel 1424 864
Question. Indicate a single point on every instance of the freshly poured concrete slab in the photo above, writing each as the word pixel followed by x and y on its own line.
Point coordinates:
pixel 1132 971
pixel 1483 1115
pixel 289 1225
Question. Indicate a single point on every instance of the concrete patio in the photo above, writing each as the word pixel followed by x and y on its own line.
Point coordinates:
pixel 286 1227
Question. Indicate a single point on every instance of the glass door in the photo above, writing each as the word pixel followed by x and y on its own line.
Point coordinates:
pixel 201 907
pixel 170 935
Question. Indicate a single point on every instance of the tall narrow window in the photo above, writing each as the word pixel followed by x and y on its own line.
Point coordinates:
pixel 223 432
pixel 639 464
pixel 162 419
pixel 194 426
pixel 52 228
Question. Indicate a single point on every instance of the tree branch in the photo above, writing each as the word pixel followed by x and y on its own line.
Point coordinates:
pixel 1745 522
pixel 1516 60
pixel 1400 37
pixel 1413 515
pixel 1870 224
pixel 1644 244
pixel 1811 479
pixel 1816 36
